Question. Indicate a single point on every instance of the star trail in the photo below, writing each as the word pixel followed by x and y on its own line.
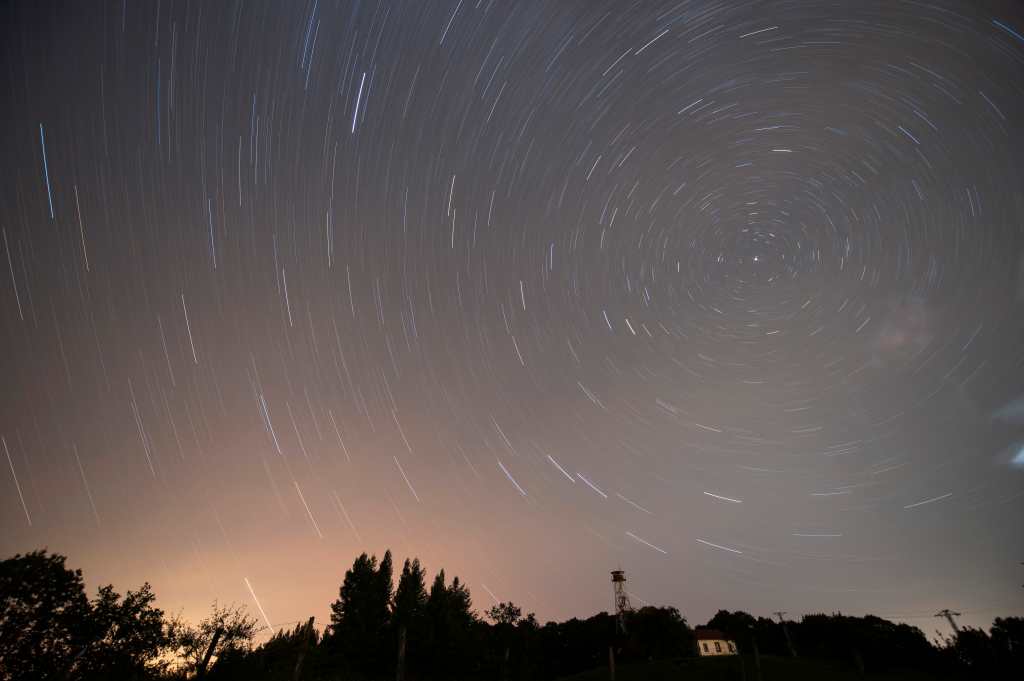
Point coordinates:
pixel 729 295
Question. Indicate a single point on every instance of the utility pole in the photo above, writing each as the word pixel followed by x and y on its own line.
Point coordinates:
pixel 201 671
pixel 949 615
pixel 757 654
pixel 785 630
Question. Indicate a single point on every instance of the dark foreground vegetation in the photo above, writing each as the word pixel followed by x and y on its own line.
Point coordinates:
pixel 51 629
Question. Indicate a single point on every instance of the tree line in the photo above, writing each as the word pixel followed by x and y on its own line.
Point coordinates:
pixel 50 629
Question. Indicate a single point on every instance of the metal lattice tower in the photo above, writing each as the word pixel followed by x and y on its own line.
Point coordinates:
pixel 621 599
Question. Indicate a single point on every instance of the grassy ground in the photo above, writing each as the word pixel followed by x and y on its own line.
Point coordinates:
pixel 733 668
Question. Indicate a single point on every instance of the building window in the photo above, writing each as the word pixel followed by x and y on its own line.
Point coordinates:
pixel 718 647
pixel 705 647
pixel 732 648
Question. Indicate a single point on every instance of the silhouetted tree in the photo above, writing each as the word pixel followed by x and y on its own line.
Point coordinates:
pixel 410 600
pixel 658 634
pixel 1007 634
pixel 125 636
pixel 973 652
pixel 505 617
pixel 770 636
pixel 870 643
pixel 505 614
pixel 739 626
pixel 436 610
pixel 575 645
pixel 226 633
pixel 50 630
pixel 527 645
pixel 287 655
pixel 360 616
pixel 43 612
pixel 997 654
pixel 450 624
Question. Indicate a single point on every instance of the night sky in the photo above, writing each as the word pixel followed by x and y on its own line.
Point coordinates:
pixel 727 294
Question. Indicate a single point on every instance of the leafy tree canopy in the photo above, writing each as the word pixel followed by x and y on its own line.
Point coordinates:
pixel 49 629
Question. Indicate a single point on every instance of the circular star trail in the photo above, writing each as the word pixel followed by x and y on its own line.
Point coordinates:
pixel 728 295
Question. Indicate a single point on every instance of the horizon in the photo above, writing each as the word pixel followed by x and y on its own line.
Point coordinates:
pixel 321 614
pixel 727 295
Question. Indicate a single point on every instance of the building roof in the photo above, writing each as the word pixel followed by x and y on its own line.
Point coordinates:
pixel 711 635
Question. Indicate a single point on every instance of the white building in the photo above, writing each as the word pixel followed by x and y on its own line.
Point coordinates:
pixel 714 642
